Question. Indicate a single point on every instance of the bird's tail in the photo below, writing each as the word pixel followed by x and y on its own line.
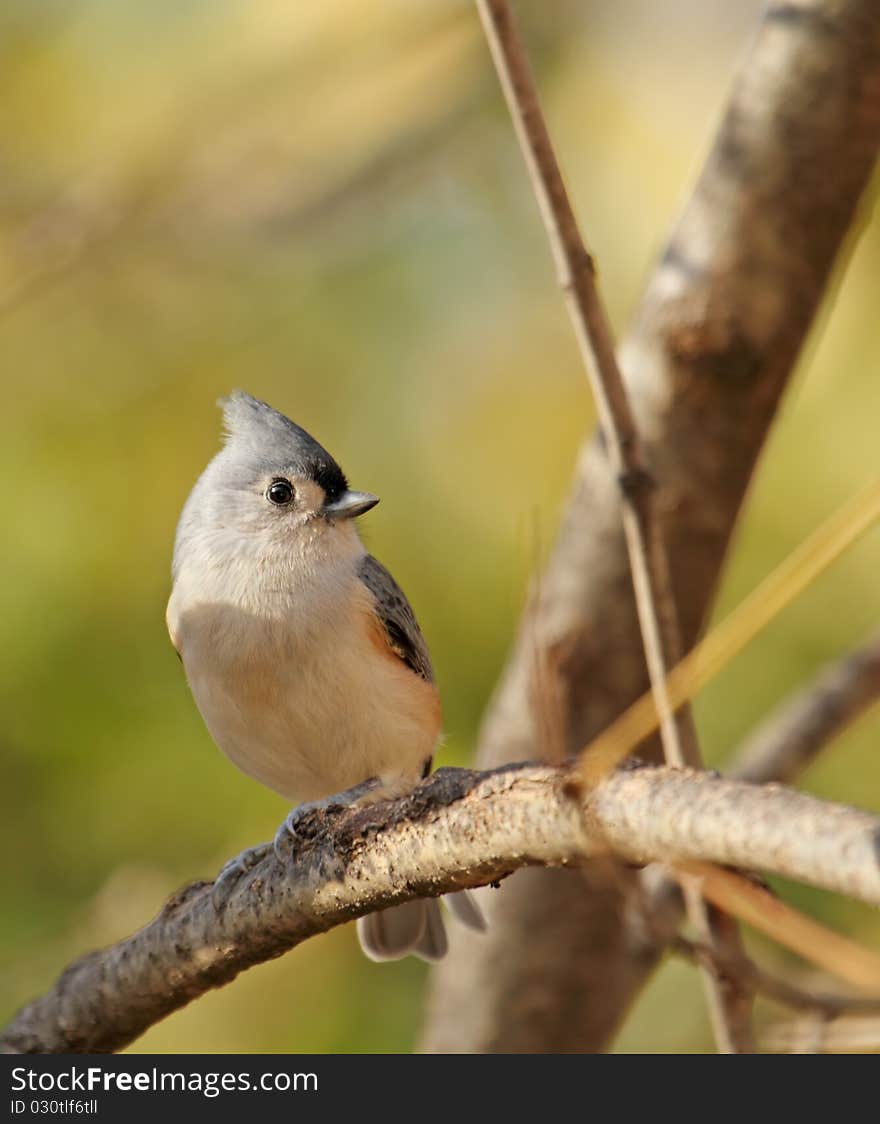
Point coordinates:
pixel 415 927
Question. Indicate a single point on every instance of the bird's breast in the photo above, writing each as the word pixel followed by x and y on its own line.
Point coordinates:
pixel 300 698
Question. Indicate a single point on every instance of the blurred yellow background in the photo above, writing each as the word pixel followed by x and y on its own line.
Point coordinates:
pixel 323 204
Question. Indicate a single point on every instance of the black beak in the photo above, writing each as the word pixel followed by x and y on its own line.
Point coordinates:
pixel 349 505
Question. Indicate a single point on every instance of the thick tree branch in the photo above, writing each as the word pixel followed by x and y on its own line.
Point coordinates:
pixel 459 828
pixel 713 344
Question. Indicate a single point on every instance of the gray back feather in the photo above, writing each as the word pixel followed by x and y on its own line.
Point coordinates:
pixel 398 619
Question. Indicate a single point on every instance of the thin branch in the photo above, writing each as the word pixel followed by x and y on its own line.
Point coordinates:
pixel 789 580
pixel 774 987
pixel 779 750
pixel 816 1033
pixel 649 565
pixel 755 904
pixel 577 279
pixel 458 829
pixel 788 741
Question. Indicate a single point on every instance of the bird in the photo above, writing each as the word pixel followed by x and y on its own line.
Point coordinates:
pixel 302 653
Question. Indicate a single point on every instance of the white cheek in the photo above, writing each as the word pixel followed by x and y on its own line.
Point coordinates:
pixel 309 495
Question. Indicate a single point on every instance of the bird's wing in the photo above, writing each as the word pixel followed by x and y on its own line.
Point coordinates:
pixel 397 618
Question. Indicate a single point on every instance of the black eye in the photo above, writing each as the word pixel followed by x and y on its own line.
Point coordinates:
pixel 279 492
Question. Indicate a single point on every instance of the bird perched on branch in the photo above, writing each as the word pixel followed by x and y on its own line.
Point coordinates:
pixel 302 652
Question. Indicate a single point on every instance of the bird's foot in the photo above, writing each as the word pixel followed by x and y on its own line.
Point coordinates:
pixel 288 832
pixel 231 874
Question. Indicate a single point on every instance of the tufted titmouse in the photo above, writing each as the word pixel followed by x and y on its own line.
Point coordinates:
pixel 302 653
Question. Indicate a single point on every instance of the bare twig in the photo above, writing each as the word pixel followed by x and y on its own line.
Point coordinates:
pixel 576 274
pixel 458 829
pixel 647 555
pixel 755 904
pixel 774 987
pixel 785 744
pixel 816 1033
pixel 709 354
pixel 779 750
pixel 763 605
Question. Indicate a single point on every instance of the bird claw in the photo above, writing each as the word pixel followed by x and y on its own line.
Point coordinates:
pixel 233 872
pixel 287 833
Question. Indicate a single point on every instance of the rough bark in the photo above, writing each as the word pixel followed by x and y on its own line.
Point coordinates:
pixel 459 828
pixel 712 346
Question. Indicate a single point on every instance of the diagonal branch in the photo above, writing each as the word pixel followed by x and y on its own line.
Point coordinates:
pixel 791 737
pixel 459 828
pixel 626 458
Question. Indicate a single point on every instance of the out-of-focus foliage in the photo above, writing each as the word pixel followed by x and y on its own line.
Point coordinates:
pixel 323 204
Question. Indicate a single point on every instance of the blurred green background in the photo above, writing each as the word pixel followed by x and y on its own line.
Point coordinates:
pixel 323 204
